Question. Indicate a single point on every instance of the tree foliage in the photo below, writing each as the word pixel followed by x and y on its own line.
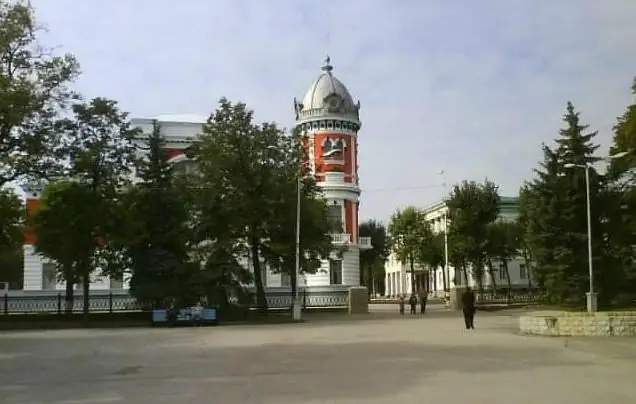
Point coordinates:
pixel 156 240
pixel 472 207
pixel 34 90
pixel 554 213
pixel 410 235
pixel 372 260
pixel 12 215
pixel 251 170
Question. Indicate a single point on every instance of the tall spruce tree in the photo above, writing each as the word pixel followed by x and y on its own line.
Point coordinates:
pixel 156 243
pixel 557 225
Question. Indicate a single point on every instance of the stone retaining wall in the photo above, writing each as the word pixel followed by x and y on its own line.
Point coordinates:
pixel 561 324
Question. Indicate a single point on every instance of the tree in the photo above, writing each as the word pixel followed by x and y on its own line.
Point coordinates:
pixel 503 246
pixel 34 91
pixel 409 233
pixel 101 157
pixel 157 236
pixel 252 171
pixel 620 204
pixel 12 215
pixel 66 213
pixel 431 253
pixel 471 208
pixel 556 209
pixel 523 228
pixel 372 260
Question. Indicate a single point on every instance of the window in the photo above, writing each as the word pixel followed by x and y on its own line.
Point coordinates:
pixel 335 272
pixel 523 272
pixel 285 279
pixel 116 283
pixel 335 216
pixel 49 276
pixel 502 272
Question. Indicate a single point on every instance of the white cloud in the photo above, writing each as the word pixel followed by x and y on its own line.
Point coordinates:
pixel 471 87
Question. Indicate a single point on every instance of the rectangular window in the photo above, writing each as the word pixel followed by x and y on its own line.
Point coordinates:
pixel 523 272
pixel 117 282
pixel 49 276
pixel 335 272
pixel 285 279
pixel 502 272
pixel 335 216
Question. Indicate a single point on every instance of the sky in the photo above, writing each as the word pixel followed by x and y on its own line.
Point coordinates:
pixel 470 88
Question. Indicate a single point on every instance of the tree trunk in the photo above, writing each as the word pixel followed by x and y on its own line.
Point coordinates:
pixel 69 294
pixel 86 283
pixel 491 272
pixel 412 275
pixel 465 272
pixel 526 260
pixel 294 286
pixel 261 299
pixel 505 264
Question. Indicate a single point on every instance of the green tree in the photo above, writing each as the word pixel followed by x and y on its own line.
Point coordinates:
pixel 503 246
pixel 101 157
pixel 620 203
pixel 372 260
pixel 12 215
pixel 66 213
pixel 34 91
pixel 472 207
pixel 252 170
pixel 523 228
pixel 431 253
pixel 157 236
pixel 556 211
pixel 410 232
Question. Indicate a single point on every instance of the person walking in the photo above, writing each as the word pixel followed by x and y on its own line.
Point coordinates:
pixel 402 303
pixel 423 299
pixel 468 303
pixel 413 303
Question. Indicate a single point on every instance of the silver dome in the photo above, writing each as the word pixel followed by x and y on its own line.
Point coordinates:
pixel 327 97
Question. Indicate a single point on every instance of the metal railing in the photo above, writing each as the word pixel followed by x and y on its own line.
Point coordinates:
pixel 110 302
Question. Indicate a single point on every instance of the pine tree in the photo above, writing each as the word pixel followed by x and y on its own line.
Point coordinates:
pixel 556 213
pixel 156 242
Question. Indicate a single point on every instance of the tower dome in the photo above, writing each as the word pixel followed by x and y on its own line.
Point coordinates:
pixel 327 97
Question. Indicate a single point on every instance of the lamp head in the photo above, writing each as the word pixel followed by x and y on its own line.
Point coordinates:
pixel 569 165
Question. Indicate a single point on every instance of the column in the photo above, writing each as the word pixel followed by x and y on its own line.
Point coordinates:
pixel 387 286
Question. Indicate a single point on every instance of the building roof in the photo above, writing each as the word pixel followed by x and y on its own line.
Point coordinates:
pixel 327 97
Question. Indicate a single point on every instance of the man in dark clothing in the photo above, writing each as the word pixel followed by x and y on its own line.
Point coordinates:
pixel 468 303
pixel 401 304
pixel 423 299
pixel 413 303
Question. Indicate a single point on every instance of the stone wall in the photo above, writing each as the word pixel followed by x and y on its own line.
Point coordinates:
pixel 615 324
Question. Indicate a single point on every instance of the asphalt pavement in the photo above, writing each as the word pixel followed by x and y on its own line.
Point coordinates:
pixel 379 358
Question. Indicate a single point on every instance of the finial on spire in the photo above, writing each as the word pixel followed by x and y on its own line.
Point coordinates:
pixel 327 67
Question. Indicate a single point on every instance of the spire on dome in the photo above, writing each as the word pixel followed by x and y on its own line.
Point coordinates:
pixel 327 67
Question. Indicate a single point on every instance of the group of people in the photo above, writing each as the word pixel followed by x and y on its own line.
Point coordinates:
pixel 413 300
pixel 467 300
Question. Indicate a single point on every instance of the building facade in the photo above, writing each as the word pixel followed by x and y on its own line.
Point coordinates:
pixel 398 275
pixel 330 119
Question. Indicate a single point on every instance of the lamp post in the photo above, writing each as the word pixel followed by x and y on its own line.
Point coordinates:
pixel 296 312
pixel 446 269
pixel 592 297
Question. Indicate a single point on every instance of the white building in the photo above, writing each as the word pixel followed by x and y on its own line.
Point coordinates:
pixel 330 119
pixel 398 275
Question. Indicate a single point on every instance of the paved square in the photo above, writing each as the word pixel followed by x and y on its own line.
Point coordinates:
pixel 385 358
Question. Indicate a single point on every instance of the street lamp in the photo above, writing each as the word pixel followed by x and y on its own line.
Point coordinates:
pixel 296 312
pixel 446 269
pixel 591 296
